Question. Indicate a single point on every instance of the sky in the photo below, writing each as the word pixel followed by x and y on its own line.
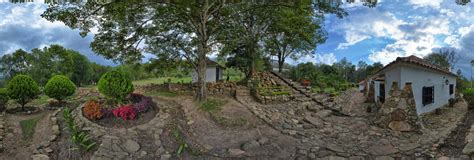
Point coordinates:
pixel 381 34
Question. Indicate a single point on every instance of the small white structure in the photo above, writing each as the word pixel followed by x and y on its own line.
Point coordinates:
pixel 432 86
pixel 213 72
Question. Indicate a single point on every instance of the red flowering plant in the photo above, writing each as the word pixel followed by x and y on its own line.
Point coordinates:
pixel 126 112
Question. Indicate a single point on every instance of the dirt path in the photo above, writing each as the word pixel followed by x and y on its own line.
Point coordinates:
pixel 455 142
pixel 17 147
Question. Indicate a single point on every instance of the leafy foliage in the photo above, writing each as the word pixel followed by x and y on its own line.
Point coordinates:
pixel 212 105
pixel 23 89
pixel 116 85
pixel 3 97
pixel 59 87
pixel 469 96
pixel 79 137
pixel 126 112
pixel 92 110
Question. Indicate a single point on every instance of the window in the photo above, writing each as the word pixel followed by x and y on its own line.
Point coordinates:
pixel 428 95
pixel 451 89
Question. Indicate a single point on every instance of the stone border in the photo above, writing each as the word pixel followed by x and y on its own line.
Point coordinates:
pixel 96 129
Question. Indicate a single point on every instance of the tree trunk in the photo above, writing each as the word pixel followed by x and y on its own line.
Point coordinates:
pixel 201 71
pixel 281 62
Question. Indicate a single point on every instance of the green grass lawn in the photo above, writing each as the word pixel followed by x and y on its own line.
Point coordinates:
pixel 42 99
pixel 28 127
pixel 162 80
pixel 161 93
pixel 212 105
pixel 185 80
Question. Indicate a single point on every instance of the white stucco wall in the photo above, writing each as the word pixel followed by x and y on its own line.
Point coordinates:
pixel 210 75
pixel 421 77
pixel 392 75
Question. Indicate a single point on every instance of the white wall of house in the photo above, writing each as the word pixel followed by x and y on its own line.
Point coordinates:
pixel 423 77
pixel 210 74
pixel 419 77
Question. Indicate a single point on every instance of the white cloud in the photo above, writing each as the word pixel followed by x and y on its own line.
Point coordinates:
pixel 426 3
pixel 326 58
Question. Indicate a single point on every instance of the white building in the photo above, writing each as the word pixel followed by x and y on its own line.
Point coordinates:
pixel 432 86
pixel 213 72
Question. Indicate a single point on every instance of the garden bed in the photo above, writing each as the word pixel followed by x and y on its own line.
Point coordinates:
pixel 28 110
pixel 140 111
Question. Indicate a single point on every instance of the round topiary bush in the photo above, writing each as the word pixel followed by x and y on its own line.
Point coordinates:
pixel 116 85
pixel 59 87
pixel 3 98
pixel 23 89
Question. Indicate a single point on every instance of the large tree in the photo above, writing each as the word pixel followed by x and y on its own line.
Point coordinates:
pixel 19 62
pixel 446 58
pixel 294 32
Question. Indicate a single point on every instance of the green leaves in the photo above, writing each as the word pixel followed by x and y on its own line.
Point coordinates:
pixel 116 85
pixel 59 87
pixel 79 137
pixel 23 89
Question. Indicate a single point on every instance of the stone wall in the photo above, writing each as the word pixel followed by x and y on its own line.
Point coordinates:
pixel 217 88
pixel 268 80
pixel 399 110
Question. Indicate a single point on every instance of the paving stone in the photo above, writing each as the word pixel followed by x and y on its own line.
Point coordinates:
pixel 131 146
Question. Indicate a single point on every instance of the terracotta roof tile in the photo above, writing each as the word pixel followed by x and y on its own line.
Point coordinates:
pixel 418 61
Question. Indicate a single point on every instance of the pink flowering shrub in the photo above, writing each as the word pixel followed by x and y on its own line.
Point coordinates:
pixel 126 112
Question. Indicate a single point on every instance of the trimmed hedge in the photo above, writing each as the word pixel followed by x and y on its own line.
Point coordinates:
pixel 116 85
pixel 59 87
pixel 23 89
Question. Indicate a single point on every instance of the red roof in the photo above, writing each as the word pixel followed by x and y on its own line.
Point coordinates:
pixel 420 62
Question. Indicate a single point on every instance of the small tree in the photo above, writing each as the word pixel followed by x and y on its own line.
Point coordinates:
pixel 59 87
pixel 23 89
pixel 115 85
pixel 3 98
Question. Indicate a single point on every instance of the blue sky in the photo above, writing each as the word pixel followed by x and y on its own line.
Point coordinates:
pixel 392 29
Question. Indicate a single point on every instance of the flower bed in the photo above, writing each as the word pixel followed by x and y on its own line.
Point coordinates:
pixel 140 110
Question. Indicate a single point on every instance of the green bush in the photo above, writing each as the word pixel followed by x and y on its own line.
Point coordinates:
pixel 116 85
pixel 469 97
pixel 3 98
pixel 59 87
pixel 23 89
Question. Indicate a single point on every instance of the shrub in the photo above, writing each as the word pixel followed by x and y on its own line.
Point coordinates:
pixel 59 87
pixel 469 97
pixel 92 110
pixel 126 112
pixel 3 98
pixel 23 89
pixel 116 85
pixel 144 105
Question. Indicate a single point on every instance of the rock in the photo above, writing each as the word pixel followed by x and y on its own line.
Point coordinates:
pixel 262 140
pixel 398 115
pixel 165 157
pixel 333 158
pixel 334 148
pixel 469 148
pixel 384 158
pixel 323 113
pixel 235 151
pixel 250 145
pixel 39 157
pixel 400 126
pixel 143 153
pixel 48 150
pixel 381 150
pixel 55 129
pixel 443 158
pixel 131 146
pixel 312 156
pixel 313 108
pixel 313 120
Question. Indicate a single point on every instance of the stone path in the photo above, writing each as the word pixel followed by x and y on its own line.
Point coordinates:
pixel 323 133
